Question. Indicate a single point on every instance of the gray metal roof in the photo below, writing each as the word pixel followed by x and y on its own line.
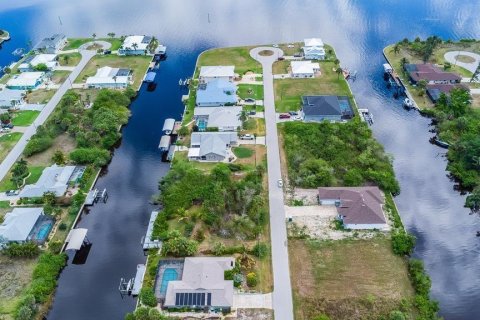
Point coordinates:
pixel 19 223
pixel 213 142
pixel 220 116
pixel 50 42
pixel 53 179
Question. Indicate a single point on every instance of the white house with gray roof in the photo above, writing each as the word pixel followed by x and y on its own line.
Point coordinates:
pixel 314 49
pixel 108 77
pixel 53 179
pixel 202 285
pixel 211 146
pixel 209 73
pixel 52 44
pixel 11 99
pixel 29 64
pixel 135 45
pixel 223 118
pixel 19 223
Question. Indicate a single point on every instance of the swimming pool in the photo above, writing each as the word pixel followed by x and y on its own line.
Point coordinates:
pixel 169 274
pixel 44 230
pixel 202 125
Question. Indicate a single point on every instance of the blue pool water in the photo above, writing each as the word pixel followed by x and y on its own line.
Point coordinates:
pixel 202 125
pixel 168 275
pixel 344 105
pixel 44 231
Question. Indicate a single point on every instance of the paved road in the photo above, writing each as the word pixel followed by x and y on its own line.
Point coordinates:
pixel 47 110
pixel 450 57
pixel 282 293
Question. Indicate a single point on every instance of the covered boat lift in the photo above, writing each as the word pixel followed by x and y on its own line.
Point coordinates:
pixel 76 239
pixel 149 77
pixel 164 143
pixel 168 125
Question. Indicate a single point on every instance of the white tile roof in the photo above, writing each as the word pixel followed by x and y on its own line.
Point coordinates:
pixel 219 117
pixel 304 67
pixel 47 59
pixel 53 179
pixel 105 75
pixel 204 274
pixel 19 223
pixel 130 40
pixel 217 71
pixel 313 42
pixel 25 79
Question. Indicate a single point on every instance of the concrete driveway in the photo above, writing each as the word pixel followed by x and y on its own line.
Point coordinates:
pixel 450 57
pixel 42 117
pixel 282 293
pixel 252 301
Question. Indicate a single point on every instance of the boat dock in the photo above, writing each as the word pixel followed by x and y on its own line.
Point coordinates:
pixel 95 195
pixel 366 116
pixel 147 241
pixel 138 280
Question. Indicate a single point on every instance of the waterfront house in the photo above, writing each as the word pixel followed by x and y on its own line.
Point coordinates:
pixel 25 224
pixel 434 91
pixel 29 64
pixel 222 118
pixel 431 74
pixel 330 108
pixel 26 81
pixel 135 46
pixel 11 99
pixel 107 77
pixel 304 69
pixel 53 179
pixel 216 93
pixel 211 146
pixel 202 285
pixel 357 207
pixel 51 45
pixel 210 73
pixel 314 49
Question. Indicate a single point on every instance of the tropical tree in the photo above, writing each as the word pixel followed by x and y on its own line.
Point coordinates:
pixel 243 116
pixel 111 34
pixel 7 70
pixel 134 46
pixel 339 71
pixel 94 35
pixel 19 172
pixel 66 59
pixel 115 79
pixel 476 74
pixel 404 61
pixel 5 117
pixel 336 61
pixel 59 158
pixel 473 200
pixel 396 48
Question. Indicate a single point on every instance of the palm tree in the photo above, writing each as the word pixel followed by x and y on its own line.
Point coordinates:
pixel 403 62
pixel 111 34
pixel 66 58
pixel 115 79
pixel 396 48
pixel 476 74
pixel 339 71
pixel 336 61
pixel 94 35
pixel 134 46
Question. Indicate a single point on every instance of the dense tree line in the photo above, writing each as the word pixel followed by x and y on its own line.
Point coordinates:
pixel 228 207
pixel 336 154
pixel 95 129
pixel 459 125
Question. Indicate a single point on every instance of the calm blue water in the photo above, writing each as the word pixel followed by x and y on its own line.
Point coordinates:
pixel 358 30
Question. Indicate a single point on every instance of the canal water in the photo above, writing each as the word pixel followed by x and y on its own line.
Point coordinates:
pixel 428 204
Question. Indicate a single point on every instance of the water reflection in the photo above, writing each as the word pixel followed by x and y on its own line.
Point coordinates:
pixel 358 29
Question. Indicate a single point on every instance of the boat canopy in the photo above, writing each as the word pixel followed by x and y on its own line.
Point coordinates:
pixel 75 238
pixel 168 125
pixel 164 143
pixel 150 76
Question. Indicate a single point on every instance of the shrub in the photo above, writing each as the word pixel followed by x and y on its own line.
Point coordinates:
pixel 199 235
pixel 160 227
pixel 322 317
pixel 179 246
pixel 45 275
pixel 260 250
pixel 62 226
pixel 22 250
pixel 402 243
pixel 252 279
pixel 26 308
pixel 95 156
pixel 218 249
pixel 396 315
pixel 37 145
pixel 147 297
pixel 55 246
pixel 420 280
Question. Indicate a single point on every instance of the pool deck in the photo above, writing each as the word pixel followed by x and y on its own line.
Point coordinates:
pixel 164 265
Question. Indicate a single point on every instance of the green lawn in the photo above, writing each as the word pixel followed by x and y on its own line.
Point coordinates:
pixel 59 76
pixel 288 92
pixel 75 43
pixel 139 65
pixel 40 96
pixel 35 173
pixel 254 91
pixel 24 118
pixel 237 56
pixel 7 142
pixel 241 152
pixel 72 60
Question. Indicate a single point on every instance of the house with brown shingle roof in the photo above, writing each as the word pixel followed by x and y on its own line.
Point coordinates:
pixel 357 207
pixel 431 74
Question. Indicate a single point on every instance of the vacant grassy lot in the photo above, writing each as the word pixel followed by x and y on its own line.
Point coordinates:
pixel 7 142
pixel 63 142
pixel 288 92
pixel 347 279
pixel 237 56
pixel 139 65
pixel 257 153
pixel 15 275
pixel 40 96
pixel 281 67
pixel 254 126
pixel 252 91
pixel 59 76
pixel 241 152
pixel 72 60
pixel 24 118
pixel 75 43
